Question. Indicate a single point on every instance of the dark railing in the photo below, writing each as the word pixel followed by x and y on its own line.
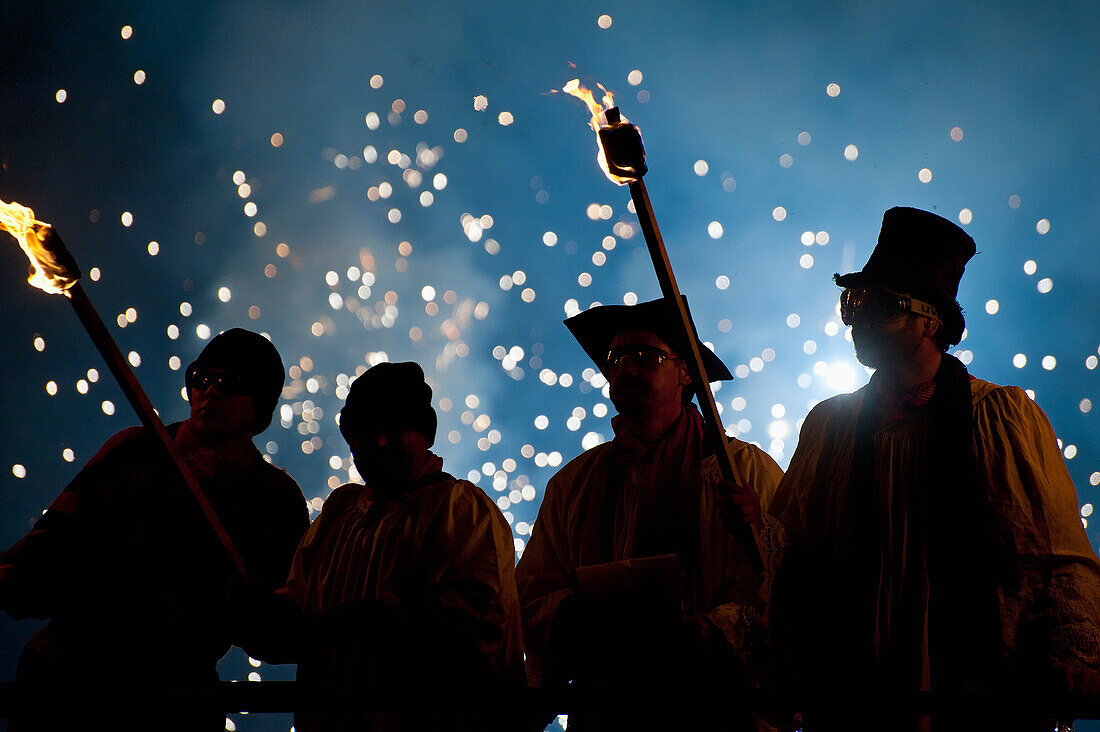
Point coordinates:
pixel 290 696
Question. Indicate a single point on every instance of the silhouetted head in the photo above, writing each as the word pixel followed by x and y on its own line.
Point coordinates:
pixel 235 365
pixel 643 350
pixel 388 422
pixel 645 376
pixel 914 270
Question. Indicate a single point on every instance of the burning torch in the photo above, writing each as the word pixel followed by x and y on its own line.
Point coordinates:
pixel 54 270
pixel 621 156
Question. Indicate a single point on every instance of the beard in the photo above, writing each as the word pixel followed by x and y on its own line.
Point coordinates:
pixel 867 353
pixel 878 349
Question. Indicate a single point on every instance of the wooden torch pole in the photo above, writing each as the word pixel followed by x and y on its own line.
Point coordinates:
pixel 131 387
pixel 671 292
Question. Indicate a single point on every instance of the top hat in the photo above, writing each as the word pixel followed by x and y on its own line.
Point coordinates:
pixel 920 254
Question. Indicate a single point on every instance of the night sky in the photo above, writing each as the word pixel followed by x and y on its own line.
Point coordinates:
pixel 398 181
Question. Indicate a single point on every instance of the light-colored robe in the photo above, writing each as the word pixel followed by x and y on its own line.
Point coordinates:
pixel 441 550
pixel 561 541
pixel 1048 581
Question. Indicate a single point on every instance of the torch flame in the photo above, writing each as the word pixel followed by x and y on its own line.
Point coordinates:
pixel 52 267
pixel 598 120
pixel 586 95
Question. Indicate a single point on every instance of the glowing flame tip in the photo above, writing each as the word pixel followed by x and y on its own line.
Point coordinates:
pixel 597 121
pixel 580 91
pixel 53 269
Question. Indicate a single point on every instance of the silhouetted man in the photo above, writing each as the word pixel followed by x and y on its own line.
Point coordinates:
pixel 125 565
pixel 631 583
pixel 935 540
pixel 400 608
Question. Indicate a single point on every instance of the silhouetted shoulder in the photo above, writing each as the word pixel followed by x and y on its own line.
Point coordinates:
pixel 460 499
pixel 750 453
pixel 1008 412
pixel 758 468
pixel 128 439
pixel 835 406
pixel 280 478
pixel 480 502
pixel 344 496
pixel 587 458
pixel 1010 399
pixel 572 474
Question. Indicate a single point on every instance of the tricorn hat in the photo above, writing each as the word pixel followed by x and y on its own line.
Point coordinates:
pixel 920 254
pixel 596 327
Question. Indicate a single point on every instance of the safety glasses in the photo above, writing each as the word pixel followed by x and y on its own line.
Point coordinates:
pixel 228 384
pixel 878 305
pixel 644 357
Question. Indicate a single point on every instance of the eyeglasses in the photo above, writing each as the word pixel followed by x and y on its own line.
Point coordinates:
pixel 644 357
pixel 228 384
pixel 879 305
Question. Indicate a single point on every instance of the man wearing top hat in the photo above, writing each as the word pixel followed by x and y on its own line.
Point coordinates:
pixel 934 536
pixel 126 567
pixel 631 583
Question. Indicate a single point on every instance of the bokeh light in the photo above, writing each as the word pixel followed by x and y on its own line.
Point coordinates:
pixel 458 208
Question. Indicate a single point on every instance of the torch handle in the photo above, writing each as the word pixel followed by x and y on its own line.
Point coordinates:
pixel 131 387
pixel 671 291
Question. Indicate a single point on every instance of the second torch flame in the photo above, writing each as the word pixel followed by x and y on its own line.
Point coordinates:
pixel 600 121
pixel 52 269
